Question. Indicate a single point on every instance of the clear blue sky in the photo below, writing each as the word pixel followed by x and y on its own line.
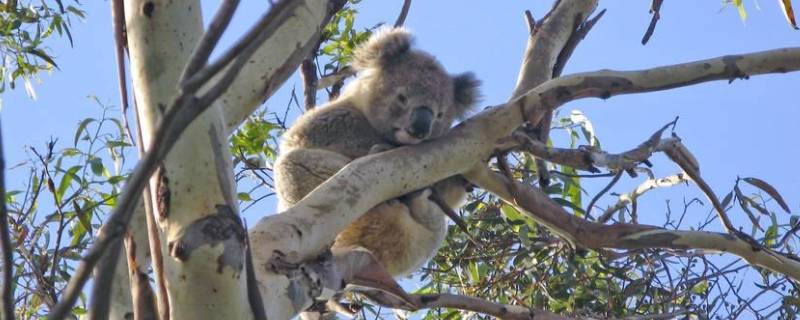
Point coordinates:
pixel 743 128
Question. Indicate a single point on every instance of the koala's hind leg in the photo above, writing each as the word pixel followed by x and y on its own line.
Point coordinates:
pixel 301 170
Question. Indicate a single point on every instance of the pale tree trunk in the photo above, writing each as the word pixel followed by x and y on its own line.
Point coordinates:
pixel 161 36
pixel 193 189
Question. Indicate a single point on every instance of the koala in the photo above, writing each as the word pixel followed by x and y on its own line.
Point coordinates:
pixel 401 96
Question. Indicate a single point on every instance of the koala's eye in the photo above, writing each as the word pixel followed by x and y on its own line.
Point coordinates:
pixel 402 98
pixel 439 115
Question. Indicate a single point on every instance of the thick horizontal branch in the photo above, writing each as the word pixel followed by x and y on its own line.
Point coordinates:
pixel 313 223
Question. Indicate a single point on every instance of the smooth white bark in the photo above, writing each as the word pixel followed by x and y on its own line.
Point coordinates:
pixel 203 271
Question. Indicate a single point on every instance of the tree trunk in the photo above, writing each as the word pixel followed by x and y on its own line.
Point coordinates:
pixel 193 190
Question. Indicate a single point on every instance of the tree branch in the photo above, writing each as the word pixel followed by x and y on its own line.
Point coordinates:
pixel 551 44
pixel 655 10
pixel 644 187
pixel 401 19
pixel 5 243
pixel 209 41
pixel 334 78
pixel 510 312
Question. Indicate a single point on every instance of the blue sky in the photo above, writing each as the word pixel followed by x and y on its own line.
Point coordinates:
pixel 743 128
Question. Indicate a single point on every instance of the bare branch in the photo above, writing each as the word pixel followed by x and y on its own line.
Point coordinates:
pixel 5 243
pixel 530 21
pixel 401 19
pixel 120 45
pixel 336 77
pixel 655 10
pixel 511 312
pixel 650 184
pixel 256 302
pixel 101 290
pixel 679 154
pixel 210 38
pixel 153 241
pixel 144 303
pixel 545 57
pixel 308 71
pixel 601 193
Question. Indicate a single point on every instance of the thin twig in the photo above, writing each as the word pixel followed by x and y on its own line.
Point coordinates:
pixel 308 71
pixel 101 289
pixel 58 205
pixel 401 19
pixel 437 199
pixel 120 46
pixel 5 242
pixel 253 294
pixel 631 197
pixel 655 10
pixel 512 312
pixel 144 303
pixel 602 192
pixel 210 38
pixel 530 21
pixel 278 12
pixel 153 236
pixel 336 77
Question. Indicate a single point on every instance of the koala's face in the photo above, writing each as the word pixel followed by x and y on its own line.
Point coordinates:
pixel 410 97
pixel 411 101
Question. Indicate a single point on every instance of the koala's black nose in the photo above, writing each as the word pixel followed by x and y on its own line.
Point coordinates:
pixel 421 121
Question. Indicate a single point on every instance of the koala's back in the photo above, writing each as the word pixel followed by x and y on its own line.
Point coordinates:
pixel 338 127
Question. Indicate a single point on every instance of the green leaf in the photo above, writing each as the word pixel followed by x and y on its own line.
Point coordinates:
pixel 740 7
pixel 244 196
pixel 43 56
pixel 97 166
pixel 69 175
pixel 81 128
pixel 769 189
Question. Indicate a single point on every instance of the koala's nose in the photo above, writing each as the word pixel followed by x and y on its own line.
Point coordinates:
pixel 421 121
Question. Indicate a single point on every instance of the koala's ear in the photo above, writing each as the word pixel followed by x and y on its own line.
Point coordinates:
pixel 465 87
pixel 383 47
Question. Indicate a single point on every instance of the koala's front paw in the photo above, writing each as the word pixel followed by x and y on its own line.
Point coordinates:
pixel 380 147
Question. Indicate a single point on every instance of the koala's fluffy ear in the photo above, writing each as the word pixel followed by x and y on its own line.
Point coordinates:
pixel 384 46
pixel 466 92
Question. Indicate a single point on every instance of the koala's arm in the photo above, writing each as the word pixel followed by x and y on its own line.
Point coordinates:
pixel 316 147
pixel 299 171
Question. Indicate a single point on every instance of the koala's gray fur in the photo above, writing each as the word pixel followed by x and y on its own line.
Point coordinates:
pixel 401 96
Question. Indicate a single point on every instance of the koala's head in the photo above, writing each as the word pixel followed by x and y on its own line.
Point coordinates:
pixel 405 93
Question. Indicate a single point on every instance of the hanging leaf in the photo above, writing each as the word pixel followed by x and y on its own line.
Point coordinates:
pixel 769 189
pixel 788 12
pixel 81 127
pixel 740 6
pixel 743 203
